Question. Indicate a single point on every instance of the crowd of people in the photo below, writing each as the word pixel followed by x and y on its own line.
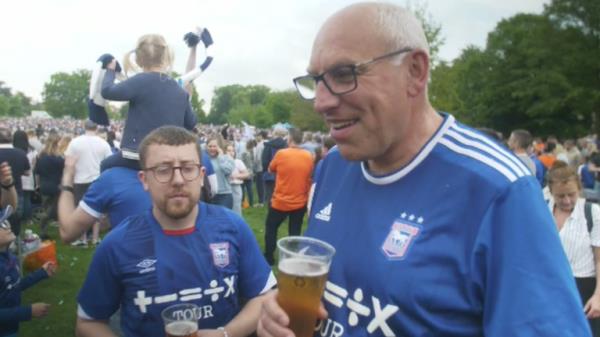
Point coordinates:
pixel 438 228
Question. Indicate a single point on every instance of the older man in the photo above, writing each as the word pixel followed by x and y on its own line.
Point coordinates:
pixel 181 250
pixel 478 253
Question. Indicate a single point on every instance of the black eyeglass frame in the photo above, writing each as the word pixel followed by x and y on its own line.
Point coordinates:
pixel 355 68
pixel 173 168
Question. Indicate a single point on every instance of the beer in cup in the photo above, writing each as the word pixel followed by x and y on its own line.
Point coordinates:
pixel 303 268
pixel 181 320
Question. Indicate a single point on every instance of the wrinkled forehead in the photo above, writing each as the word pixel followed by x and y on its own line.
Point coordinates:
pixel 346 37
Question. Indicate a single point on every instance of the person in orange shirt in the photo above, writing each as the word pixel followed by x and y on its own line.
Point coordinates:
pixel 293 167
pixel 548 158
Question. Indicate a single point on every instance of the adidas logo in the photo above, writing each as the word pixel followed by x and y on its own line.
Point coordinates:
pixel 325 213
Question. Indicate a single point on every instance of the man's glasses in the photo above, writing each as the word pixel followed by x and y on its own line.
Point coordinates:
pixel 339 80
pixel 164 173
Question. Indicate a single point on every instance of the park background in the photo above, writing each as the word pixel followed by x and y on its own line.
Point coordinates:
pixel 537 71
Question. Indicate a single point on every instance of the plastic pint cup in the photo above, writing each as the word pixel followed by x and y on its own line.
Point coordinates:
pixel 303 267
pixel 181 320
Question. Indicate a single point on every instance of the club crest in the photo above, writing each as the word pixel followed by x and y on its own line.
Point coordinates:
pixel 399 240
pixel 220 253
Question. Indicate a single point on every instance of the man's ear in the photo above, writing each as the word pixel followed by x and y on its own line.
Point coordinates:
pixel 142 176
pixel 202 173
pixel 418 70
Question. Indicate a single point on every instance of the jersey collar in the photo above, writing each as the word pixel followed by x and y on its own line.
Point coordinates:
pixel 423 153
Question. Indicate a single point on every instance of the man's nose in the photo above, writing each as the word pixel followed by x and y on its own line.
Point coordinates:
pixel 324 98
pixel 177 176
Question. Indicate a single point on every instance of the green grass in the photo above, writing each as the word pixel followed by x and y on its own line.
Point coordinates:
pixel 61 290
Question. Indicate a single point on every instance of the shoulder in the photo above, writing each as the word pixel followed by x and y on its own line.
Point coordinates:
pixel 114 176
pixel 475 155
pixel 133 227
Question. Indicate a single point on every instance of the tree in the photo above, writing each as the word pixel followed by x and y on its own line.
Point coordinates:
pixel 4 90
pixel 432 29
pixel 583 15
pixel 66 94
pixel 18 105
pixel 579 23
pixel 222 103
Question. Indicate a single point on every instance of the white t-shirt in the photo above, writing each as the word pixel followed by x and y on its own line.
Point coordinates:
pixel 28 182
pixel 90 150
pixel 239 168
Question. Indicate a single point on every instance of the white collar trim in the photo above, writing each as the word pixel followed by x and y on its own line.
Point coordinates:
pixel 6 146
pixel 391 178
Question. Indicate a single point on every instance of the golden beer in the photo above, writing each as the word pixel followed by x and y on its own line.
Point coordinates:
pixel 181 329
pixel 301 282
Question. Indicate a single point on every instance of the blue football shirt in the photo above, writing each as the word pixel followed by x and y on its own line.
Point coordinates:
pixel 458 242
pixel 143 269
pixel 117 192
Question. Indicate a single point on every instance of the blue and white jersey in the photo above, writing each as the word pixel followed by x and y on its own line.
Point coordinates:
pixel 458 242
pixel 143 269
pixel 119 193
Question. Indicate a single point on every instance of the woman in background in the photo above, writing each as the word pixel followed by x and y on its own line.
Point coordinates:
pixel 580 240
pixel 236 179
pixel 223 165
pixel 48 172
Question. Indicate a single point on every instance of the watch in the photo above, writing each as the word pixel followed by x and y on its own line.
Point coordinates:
pixel 6 187
pixel 66 188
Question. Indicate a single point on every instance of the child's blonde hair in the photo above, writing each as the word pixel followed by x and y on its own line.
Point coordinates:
pixel 151 51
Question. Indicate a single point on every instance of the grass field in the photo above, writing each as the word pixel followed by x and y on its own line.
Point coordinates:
pixel 61 290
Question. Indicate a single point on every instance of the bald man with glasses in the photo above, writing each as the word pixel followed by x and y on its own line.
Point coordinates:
pixel 438 230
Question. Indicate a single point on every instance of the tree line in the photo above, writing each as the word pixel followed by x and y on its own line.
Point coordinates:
pixel 537 72
pixel 540 72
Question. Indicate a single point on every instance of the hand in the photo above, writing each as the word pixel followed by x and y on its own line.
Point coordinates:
pixel 50 268
pixel 273 321
pixel 112 65
pixel 592 307
pixel 5 174
pixel 39 310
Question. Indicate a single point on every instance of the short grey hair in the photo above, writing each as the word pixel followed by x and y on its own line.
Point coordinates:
pixel 398 27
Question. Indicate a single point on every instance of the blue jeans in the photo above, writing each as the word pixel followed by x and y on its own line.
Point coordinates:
pixel 260 187
pixel 223 200
pixel 24 206
pixel 247 189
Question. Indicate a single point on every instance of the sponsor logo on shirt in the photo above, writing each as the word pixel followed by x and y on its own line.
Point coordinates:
pixel 216 290
pixel 364 310
pixel 325 213
pixel 146 265
pixel 399 240
pixel 220 253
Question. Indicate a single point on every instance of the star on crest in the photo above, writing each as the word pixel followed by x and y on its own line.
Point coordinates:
pixel 411 217
pixel 420 219
pixel 403 215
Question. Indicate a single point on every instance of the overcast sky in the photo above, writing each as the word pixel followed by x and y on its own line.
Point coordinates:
pixel 256 41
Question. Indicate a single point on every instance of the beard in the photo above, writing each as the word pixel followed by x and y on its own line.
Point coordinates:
pixel 177 208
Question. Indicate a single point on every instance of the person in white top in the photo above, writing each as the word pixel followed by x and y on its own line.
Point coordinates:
pixel 581 245
pixel 90 150
pixel 236 179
